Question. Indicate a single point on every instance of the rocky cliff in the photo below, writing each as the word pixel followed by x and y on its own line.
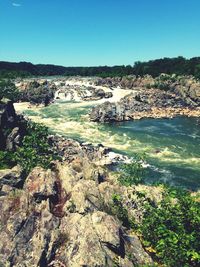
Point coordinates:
pixel 145 103
pixel 12 126
pixel 61 217
pixel 65 215
pixel 37 91
pixel 187 87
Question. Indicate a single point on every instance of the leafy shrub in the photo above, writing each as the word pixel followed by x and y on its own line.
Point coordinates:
pixel 172 230
pixel 118 210
pixel 162 86
pixel 35 149
pixel 6 159
pixel 8 90
pixel 149 86
pixel 133 173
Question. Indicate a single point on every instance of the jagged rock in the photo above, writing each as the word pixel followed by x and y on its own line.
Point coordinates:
pixel 37 92
pixel 7 120
pixel 146 103
pixel 11 126
pixel 13 139
pixel 58 218
pixel 136 251
pixel 107 112
pixel 40 184
pixel 108 230
pixel 13 177
pixel 99 93
pixel 34 243
pixel 108 94
pixel 89 240
pixel 7 113
pixel 85 196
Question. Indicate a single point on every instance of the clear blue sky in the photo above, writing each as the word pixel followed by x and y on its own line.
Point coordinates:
pixel 98 32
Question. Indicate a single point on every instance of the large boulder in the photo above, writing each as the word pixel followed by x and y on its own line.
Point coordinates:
pixel 11 126
pixel 108 112
pixel 38 92
pixel 13 139
pixel 40 184
pixel 141 103
pixel 13 177
pixel 7 120
pixel 59 218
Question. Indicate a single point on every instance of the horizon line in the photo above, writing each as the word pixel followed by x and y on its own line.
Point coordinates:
pixel 88 66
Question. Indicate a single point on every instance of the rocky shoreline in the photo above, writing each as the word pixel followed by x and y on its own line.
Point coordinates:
pixel 187 87
pixel 41 91
pixel 59 216
pixel 166 96
pixel 76 212
pixel 151 103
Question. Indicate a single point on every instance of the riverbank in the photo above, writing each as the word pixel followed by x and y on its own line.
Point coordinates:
pixel 144 103
pixel 75 211
pixel 175 161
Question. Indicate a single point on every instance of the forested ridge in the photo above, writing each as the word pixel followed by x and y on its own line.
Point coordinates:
pixel 178 65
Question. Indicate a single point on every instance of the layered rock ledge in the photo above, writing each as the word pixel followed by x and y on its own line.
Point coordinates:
pixel 146 103
pixel 62 216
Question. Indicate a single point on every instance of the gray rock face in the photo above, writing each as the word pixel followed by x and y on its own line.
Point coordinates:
pixel 38 92
pixel 58 219
pixel 13 139
pixel 11 126
pixel 108 112
pixel 189 92
pixel 7 114
pixel 141 102
pixel 12 177
pixel 185 86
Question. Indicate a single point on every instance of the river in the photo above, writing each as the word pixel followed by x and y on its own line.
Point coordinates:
pixel 172 146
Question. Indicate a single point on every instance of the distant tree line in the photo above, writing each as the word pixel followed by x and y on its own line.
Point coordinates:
pixel 178 65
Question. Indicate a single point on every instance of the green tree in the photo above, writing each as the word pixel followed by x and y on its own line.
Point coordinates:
pixel 8 90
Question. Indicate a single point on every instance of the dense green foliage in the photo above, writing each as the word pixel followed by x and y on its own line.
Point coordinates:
pixel 170 230
pixel 6 159
pixel 119 210
pixel 173 229
pixel 12 74
pixel 178 65
pixel 133 173
pixel 35 149
pixel 8 90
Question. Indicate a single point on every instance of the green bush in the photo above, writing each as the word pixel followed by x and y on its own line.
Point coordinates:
pixel 119 211
pixel 172 229
pixel 162 86
pixel 6 159
pixel 8 90
pixel 133 173
pixel 35 149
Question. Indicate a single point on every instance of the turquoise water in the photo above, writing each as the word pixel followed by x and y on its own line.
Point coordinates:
pixel 172 146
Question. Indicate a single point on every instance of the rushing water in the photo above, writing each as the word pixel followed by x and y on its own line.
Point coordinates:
pixel 172 146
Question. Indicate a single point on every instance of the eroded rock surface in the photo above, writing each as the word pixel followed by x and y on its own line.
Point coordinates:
pixel 60 217
pixel 187 87
pixel 12 126
pixel 151 103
